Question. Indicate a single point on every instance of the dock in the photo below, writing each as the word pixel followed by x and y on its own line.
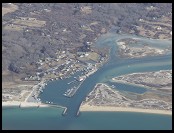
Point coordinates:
pixel 70 92
pixel 71 82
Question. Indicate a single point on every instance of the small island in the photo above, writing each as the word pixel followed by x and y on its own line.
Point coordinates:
pixel 136 48
pixel 160 80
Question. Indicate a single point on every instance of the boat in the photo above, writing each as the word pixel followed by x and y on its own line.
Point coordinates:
pixel 65 94
pixel 113 86
pixel 69 82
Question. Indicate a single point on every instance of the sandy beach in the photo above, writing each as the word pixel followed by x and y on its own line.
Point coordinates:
pixel 87 107
pixel 23 104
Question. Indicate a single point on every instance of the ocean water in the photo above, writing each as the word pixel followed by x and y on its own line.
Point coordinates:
pixel 51 118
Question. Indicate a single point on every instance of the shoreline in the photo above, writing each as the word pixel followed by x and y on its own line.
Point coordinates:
pixel 23 104
pixel 88 108
pixel 85 107
pixel 28 104
pixel 35 88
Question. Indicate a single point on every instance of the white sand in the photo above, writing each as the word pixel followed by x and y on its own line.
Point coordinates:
pixel 87 107
pixel 23 104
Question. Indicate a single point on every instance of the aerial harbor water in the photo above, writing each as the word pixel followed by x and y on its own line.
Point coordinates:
pixel 51 118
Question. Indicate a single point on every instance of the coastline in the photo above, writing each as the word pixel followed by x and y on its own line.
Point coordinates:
pixel 87 108
pixel 23 104
pixel 28 104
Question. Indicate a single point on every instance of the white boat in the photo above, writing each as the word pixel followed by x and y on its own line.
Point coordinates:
pixel 113 86
pixel 65 94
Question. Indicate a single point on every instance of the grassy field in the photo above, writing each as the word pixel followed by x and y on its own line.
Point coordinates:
pixel 92 56
pixel 9 9
pixel 32 22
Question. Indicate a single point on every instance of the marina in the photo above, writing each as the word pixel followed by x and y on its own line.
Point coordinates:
pixel 72 81
pixel 70 92
pixel 114 67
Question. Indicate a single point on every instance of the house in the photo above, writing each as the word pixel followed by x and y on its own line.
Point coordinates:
pixel 140 19
pixel 159 28
pixel 81 53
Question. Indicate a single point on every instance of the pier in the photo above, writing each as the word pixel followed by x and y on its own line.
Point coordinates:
pixel 72 91
pixel 71 81
pixel 78 113
pixel 64 112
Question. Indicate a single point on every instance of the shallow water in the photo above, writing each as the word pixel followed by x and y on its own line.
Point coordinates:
pixel 51 118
